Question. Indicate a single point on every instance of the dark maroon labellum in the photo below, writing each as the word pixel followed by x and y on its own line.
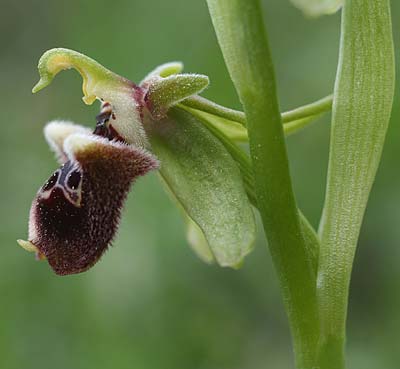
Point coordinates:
pixel 75 215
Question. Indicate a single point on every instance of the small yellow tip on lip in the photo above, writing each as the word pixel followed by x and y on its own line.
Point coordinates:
pixel 29 246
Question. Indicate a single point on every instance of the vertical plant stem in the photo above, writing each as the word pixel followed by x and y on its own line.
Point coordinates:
pixel 361 110
pixel 241 35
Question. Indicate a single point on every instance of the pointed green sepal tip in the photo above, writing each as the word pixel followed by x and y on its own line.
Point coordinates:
pixel 164 93
pixel 95 76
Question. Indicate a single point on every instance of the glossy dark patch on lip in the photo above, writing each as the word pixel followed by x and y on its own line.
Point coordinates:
pixel 74 179
pixel 51 182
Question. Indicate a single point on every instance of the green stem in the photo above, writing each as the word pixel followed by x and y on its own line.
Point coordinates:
pixel 249 63
pixel 314 109
pixel 203 104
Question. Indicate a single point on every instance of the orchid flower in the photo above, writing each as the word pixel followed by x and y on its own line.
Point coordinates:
pixel 140 128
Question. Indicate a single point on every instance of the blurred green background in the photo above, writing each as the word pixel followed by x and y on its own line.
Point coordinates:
pixel 150 303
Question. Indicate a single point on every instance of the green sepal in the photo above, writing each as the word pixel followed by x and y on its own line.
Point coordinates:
pixel 166 92
pixel 207 182
pixel 194 235
pixel 198 242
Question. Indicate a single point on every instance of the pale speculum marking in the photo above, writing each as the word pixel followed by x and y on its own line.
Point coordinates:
pixel 68 178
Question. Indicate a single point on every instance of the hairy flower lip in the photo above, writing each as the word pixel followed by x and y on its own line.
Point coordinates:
pixel 73 236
